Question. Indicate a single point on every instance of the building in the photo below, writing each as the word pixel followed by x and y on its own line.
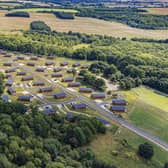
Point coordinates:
pixel 40 69
pixel 74 84
pixel 9 82
pixel 27 78
pixel 46 89
pixel 8 76
pixel 30 64
pixel 11 91
pixel 34 58
pixel 56 69
pixel 21 73
pixel 49 63
pixel 48 110
pixel 98 96
pixel 7 55
pixel 20 57
pixel 50 57
pixel 84 66
pixel 69 70
pixel 116 108
pixel 7 64
pixel 79 106
pixel 57 75
pixel 102 120
pixel 5 98
pixel 60 95
pixel 25 98
pixel 77 64
pixel 9 70
pixel 64 63
pixel 86 90
pixel 38 83
pixel 121 102
pixel 68 79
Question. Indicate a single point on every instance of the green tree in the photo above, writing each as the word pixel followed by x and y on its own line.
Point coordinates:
pixel 146 151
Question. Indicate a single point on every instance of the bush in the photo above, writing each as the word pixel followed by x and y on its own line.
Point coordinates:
pixel 40 26
pixel 146 151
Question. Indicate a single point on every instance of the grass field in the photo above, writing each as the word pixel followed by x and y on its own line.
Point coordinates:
pixel 119 147
pixel 148 110
pixel 83 25
pixel 157 11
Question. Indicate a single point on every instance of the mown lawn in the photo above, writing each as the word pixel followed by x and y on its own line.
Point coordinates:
pixel 148 110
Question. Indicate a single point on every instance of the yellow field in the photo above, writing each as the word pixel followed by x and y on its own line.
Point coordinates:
pixel 83 25
pixel 157 11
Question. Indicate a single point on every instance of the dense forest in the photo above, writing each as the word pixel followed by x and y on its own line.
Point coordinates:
pixel 34 140
pixel 127 62
pixel 130 16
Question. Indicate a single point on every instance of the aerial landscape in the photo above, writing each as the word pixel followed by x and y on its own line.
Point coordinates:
pixel 83 84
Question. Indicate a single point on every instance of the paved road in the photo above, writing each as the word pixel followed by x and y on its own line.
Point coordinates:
pixel 107 113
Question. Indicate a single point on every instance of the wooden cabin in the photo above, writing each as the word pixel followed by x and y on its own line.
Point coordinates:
pixel 68 79
pixel 11 91
pixel 38 83
pixel 98 96
pixel 120 102
pixel 59 95
pixel 27 78
pixel 27 98
pixel 40 69
pixel 74 84
pixel 7 64
pixel 57 69
pixel 21 73
pixel 77 64
pixel 30 64
pixel 86 90
pixel 64 63
pixel 46 89
pixel 56 75
pixel 79 106
pixel 119 109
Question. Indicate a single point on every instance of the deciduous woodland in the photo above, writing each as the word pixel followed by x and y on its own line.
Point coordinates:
pixel 128 62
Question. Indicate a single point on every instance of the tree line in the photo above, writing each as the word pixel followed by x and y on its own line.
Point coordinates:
pixel 130 16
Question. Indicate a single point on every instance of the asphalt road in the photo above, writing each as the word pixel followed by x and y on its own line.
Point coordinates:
pixel 107 113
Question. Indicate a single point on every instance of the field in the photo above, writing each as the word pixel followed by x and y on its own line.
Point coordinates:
pixel 83 25
pixel 157 11
pixel 148 110
pixel 119 147
pixel 46 10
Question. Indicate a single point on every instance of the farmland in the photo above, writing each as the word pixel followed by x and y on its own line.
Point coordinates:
pixel 46 10
pixel 83 25
pixel 157 11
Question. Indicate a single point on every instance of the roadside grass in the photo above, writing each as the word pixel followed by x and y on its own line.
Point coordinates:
pixel 79 24
pixel 118 147
pixel 148 110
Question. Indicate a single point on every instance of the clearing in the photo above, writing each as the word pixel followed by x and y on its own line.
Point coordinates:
pixel 119 146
